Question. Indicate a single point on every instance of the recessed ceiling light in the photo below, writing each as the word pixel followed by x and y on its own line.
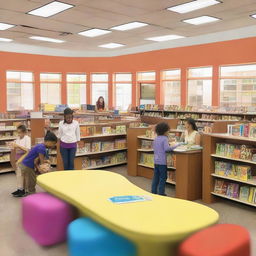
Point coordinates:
pixel 129 26
pixel 111 45
pixel 4 26
pixel 192 6
pixel 94 32
pixel 164 38
pixel 201 20
pixel 5 39
pixel 47 39
pixel 253 16
pixel 50 9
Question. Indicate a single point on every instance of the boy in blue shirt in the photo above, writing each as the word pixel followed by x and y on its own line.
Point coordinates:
pixel 28 164
pixel 161 146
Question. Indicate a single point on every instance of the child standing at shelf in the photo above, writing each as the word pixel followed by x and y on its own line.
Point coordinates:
pixel 20 147
pixel 28 164
pixel 161 146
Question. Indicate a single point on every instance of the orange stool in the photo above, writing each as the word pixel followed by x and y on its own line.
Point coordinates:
pixel 218 240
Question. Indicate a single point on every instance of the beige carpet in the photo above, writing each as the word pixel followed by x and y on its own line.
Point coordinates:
pixel 15 242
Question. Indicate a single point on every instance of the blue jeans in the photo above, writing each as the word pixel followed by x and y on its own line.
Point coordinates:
pixel 68 157
pixel 159 179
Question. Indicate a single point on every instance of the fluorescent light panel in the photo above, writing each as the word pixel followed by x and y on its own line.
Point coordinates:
pixel 201 20
pixel 129 26
pixel 47 39
pixel 111 45
pixel 4 26
pixel 50 9
pixel 253 16
pixel 94 32
pixel 164 38
pixel 192 6
pixel 5 39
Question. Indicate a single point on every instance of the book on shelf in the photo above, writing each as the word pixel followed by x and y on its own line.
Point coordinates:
pixel 171 160
pixel 120 129
pixel 106 130
pixel 120 143
pixel 146 144
pixel 150 134
pixel 96 146
pixel 4 157
pixel 107 145
pixel 244 193
pixel 87 131
pixel 147 159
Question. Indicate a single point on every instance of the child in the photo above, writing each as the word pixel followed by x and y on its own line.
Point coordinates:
pixel 20 147
pixel 28 164
pixel 161 146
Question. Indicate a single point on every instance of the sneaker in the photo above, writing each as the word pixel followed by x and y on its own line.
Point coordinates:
pixel 16 192
pixel 21 193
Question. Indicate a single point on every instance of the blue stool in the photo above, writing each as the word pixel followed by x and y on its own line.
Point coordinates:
pixel 88 238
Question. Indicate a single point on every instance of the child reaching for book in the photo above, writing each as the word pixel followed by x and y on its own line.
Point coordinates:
pixel 20 147
pixel 28 164
pixel 161 146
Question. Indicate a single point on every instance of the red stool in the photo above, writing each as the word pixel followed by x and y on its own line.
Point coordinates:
pixel 218 240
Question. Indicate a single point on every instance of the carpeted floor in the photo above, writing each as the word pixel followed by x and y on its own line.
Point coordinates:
pixel 15 242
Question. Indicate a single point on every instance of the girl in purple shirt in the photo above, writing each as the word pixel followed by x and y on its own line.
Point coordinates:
pixel 161 146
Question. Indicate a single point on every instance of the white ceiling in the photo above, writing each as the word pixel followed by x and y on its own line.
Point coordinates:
pixel 86 14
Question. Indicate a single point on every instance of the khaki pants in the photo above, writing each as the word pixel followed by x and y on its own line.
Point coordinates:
pixel 29 179
pixel 19 177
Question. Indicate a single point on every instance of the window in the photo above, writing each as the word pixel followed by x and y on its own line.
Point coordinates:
pixel 238 85
pixel 171 84
pixel 146 87
pixel 99 87
pixel 200 86
pixel 123 90
pixel 50 84
pixel 20 90
pixel 76 89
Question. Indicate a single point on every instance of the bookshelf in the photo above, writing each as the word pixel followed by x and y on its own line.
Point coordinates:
pixel 8 133
pixel 186 166
pixel 229 173
pixel 102 144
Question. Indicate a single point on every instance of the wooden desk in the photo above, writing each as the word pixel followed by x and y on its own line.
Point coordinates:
pixel 155 226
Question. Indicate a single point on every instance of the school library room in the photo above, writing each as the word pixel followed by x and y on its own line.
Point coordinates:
pixel 128 128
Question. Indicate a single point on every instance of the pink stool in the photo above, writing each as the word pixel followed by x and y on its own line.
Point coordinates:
pixel 45 218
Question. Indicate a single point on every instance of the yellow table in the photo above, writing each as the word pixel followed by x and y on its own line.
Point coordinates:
pixel 155 226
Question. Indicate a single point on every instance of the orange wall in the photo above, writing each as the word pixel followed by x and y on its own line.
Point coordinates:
pixel 215 54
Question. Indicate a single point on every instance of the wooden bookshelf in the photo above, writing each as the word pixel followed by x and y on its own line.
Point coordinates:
pixel 188 167
pixel 100 152
pixel 104 135
pixel 209 157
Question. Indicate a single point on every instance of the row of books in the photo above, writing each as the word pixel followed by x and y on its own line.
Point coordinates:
pixel 244 152
pixel 4 157
pixel 153 114
pixel 245 130
pixel 220 117
pixel 234 190
pixel 149 107
pixel 105 160
pixel 150 134
pixel 8 134
pixel 98 146
pixel 147 159
pixel 91 130
pixel 240 172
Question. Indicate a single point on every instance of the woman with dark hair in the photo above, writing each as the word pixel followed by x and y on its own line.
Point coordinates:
pixel 191 136
pixel 100 104
pixel 69 135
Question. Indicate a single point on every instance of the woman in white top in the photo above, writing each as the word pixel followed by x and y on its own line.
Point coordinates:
pixel 191 136
pixel 69 135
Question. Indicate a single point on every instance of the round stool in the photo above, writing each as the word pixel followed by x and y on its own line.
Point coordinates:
pixel 218 240
pixel 86 237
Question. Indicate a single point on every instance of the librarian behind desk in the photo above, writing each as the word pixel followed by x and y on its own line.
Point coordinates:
pixel 69 135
